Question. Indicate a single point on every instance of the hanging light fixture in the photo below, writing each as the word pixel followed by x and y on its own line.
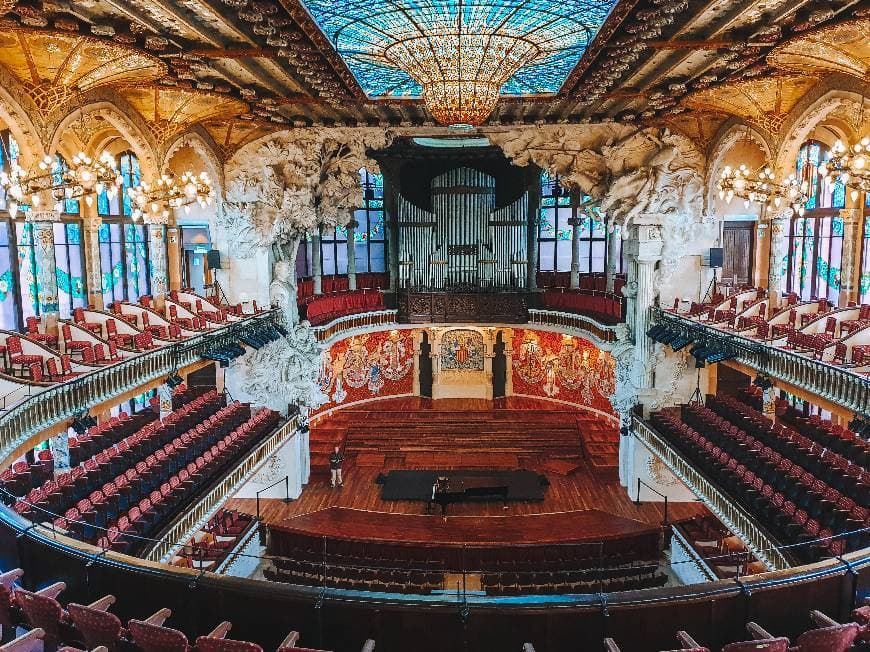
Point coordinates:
pixel 153 201
pixel 83 178
pixel 761 187
pixel 850 164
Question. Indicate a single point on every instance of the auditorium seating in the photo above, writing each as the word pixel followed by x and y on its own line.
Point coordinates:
pixel 335 284
pixel 127 487
pixel 827 636
pixel 802 492
pixel 217 539
pixel 73 627
pixel 321 310
pixel 725 554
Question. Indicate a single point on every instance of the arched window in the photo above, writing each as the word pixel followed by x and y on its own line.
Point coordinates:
pixel 369 236
pixel 816 239
pixel 8 155
pixel 558 206
pixel 70 206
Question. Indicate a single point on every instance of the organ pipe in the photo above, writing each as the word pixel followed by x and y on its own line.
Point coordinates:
pixel 464 243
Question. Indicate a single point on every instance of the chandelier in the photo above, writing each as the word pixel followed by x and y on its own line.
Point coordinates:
pixel 850 165
pixel 461 73
pixel 83 178
pixel 762 187
pixel 153 201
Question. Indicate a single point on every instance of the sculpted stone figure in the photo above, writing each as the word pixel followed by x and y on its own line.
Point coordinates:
pixel 282 291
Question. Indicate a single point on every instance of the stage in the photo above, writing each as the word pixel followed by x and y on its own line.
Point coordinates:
pixel 519 485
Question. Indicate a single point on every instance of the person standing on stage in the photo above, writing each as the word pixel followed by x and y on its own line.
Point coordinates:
pixel 335 461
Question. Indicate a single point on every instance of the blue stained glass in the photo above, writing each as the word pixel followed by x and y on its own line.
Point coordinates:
pixel 362 31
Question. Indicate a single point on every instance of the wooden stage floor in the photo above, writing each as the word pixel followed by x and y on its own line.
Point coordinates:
pixel 581 490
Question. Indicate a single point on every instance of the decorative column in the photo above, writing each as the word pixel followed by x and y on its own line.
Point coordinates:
pixel 390 170
pixel 645 251
pixel 574 222
pixel 779 224
pixel 91 250
pixel 317 261
pixel 351 254
pixel 46 275
pixel 157 255
pixel 59 445
pixel 614 235
pixel 173 257
pixel 850 266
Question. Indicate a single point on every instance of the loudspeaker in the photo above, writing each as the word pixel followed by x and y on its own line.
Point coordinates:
pixel 214 259
pixel 717 257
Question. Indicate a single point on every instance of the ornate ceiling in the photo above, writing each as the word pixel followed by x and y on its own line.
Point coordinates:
pixel 242 68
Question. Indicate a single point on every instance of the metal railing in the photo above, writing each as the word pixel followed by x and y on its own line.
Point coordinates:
pixel 340 325
pixel 63 401
pixel 837 384
pixel 196 516
pixel 569 321
pixel 726 510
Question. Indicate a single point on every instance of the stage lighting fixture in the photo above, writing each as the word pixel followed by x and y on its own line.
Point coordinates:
pixel 79 427
pixel 681 342
pixel 174 380
pixel 88 421
pixel 655 332
pixel 763 382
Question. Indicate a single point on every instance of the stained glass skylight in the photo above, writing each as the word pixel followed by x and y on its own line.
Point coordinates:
pixel 368 34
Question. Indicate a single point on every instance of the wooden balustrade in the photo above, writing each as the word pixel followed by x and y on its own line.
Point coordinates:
pixel 574 323
pixel 342 325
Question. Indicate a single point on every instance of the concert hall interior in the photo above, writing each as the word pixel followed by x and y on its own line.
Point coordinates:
pixel 473 325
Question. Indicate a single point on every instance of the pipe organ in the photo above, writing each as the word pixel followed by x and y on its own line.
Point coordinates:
pixel 465 243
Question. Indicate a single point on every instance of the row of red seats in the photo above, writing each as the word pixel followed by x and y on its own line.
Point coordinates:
pixel 324 309
pixel 738 474
pixel 57 494
pixel 827 636
pixel 595 281
pixel 792 502
pixel 210 546
pixel 604 306
pixel 75 627
pixel 831 467
pixel 338 284
pixel 142 518
pixel 24 476
pixel 830 435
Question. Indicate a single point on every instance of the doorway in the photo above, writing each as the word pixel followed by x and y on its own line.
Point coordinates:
pixel 425 366
pixel 499 367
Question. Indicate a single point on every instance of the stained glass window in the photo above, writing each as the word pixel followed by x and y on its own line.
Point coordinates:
pixel 864 283
pixel 125 262
pixel 69 267
pixel 70 206
pixel 131 175
pixel 8 313
pixel 8 154
pixel 363 32
pixel 816 240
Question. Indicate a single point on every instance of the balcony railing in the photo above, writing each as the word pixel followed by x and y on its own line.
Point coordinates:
pixel 836 384
pixel 726 510
pixel 341 325
pixel 65 400
pixel 569 321
pixel 197 515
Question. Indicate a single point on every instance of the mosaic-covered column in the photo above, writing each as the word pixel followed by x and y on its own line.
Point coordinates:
pixel 645 251
pixel 157 255
pixel 351 254
pixel 59 445
pixel 91 250
pixel 778 229
pixel 46 274
pixel 850 265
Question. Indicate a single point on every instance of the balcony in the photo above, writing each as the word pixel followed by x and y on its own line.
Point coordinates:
pixel 63 401
pixel 841 385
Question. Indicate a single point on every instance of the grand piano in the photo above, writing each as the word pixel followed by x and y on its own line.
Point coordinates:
pixel 447 489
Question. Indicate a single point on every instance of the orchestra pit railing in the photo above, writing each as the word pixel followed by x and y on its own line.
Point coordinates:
pixel 66 400
pixel 837 384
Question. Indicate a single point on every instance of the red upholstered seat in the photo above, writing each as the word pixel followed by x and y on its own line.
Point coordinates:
pixel 96 627
pixel 155 638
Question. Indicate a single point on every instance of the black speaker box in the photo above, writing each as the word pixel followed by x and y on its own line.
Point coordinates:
pixel 214 259
pixel 717 257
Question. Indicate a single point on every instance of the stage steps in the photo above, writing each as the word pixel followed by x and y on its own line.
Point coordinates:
pixel 497 438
